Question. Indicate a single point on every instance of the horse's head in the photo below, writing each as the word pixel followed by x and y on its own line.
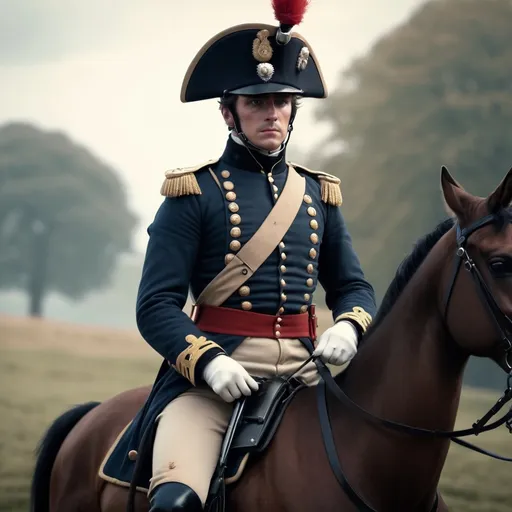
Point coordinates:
pixel 478 285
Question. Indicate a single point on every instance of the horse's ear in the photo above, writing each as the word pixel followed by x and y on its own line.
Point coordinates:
pixel 502 196
pixel 456 199
pixel 446 176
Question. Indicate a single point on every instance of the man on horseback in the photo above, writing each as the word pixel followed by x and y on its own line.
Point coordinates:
pixel 250 235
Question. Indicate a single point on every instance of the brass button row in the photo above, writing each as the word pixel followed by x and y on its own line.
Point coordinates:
pixel 282 282
pixel 274 188
pixel 314 239
pixel 235 232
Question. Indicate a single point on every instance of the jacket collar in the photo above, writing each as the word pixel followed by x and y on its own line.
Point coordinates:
pixel 241 157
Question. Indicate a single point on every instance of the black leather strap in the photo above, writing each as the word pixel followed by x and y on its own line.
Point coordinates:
pixel 481 450
pixel 401 427
pixel 330 448
pixel 332 455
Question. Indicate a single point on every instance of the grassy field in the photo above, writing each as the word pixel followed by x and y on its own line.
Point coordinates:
pixel 46 367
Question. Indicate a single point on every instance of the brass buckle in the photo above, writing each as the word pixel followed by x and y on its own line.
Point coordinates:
pixel 194 313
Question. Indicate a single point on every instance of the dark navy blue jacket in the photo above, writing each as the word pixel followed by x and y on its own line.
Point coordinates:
pixel 190 242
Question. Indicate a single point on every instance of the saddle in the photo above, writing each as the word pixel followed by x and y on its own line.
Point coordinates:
pixel 252 426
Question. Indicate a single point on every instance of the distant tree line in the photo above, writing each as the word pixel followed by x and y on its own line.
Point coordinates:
pixel 64 217
pixel 435 91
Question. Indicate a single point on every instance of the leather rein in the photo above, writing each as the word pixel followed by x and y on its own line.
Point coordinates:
pixel 504 348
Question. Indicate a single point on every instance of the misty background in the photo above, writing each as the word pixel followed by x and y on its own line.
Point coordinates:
pixel 94 87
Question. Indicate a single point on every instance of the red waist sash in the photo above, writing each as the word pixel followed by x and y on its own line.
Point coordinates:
pixel 257 325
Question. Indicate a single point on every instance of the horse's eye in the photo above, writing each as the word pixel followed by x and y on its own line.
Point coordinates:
pixel 501 266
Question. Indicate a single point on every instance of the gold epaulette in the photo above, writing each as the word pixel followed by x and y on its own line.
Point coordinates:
pixel 182 181
pixel 331 185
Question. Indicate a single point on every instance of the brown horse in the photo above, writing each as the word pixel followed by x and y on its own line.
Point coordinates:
pixel 450 299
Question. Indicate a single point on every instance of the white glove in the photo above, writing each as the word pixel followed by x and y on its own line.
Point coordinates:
pixel 228 378
pixel 338 344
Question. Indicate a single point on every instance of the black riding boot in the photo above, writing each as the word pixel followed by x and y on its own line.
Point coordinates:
pixel 173 497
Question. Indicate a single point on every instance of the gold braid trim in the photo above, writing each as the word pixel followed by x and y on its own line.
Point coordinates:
pixel 176 186
pixel 331 185
pixel 331 191
pixel 188 358
pixel 359 315
pixel 182 181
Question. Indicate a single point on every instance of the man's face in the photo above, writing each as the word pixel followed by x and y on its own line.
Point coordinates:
pixel 264 118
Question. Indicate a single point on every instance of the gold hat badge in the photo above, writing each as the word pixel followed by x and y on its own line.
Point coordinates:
pixel 262 52
pixel 261 49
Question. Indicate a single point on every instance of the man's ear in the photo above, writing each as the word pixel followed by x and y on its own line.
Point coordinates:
pixel 228 116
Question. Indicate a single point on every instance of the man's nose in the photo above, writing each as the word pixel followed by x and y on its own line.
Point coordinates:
pixel 271 110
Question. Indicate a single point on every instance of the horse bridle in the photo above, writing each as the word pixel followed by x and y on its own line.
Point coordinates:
pixel 503 324
pixel 502 321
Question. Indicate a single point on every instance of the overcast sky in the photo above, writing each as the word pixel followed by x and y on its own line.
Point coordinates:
pixel 109 73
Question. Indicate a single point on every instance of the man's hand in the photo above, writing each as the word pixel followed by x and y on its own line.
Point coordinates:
pixel 338 344
pixel 228 379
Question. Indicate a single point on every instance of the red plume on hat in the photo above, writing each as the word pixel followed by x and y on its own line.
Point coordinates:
pixel 288 13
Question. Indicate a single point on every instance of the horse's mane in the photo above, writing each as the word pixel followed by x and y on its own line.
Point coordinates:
pixel 408 267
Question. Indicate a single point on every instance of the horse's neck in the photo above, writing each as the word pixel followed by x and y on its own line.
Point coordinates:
pixel 408 371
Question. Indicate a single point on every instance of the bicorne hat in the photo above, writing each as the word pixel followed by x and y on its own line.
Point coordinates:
pixel 256 59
